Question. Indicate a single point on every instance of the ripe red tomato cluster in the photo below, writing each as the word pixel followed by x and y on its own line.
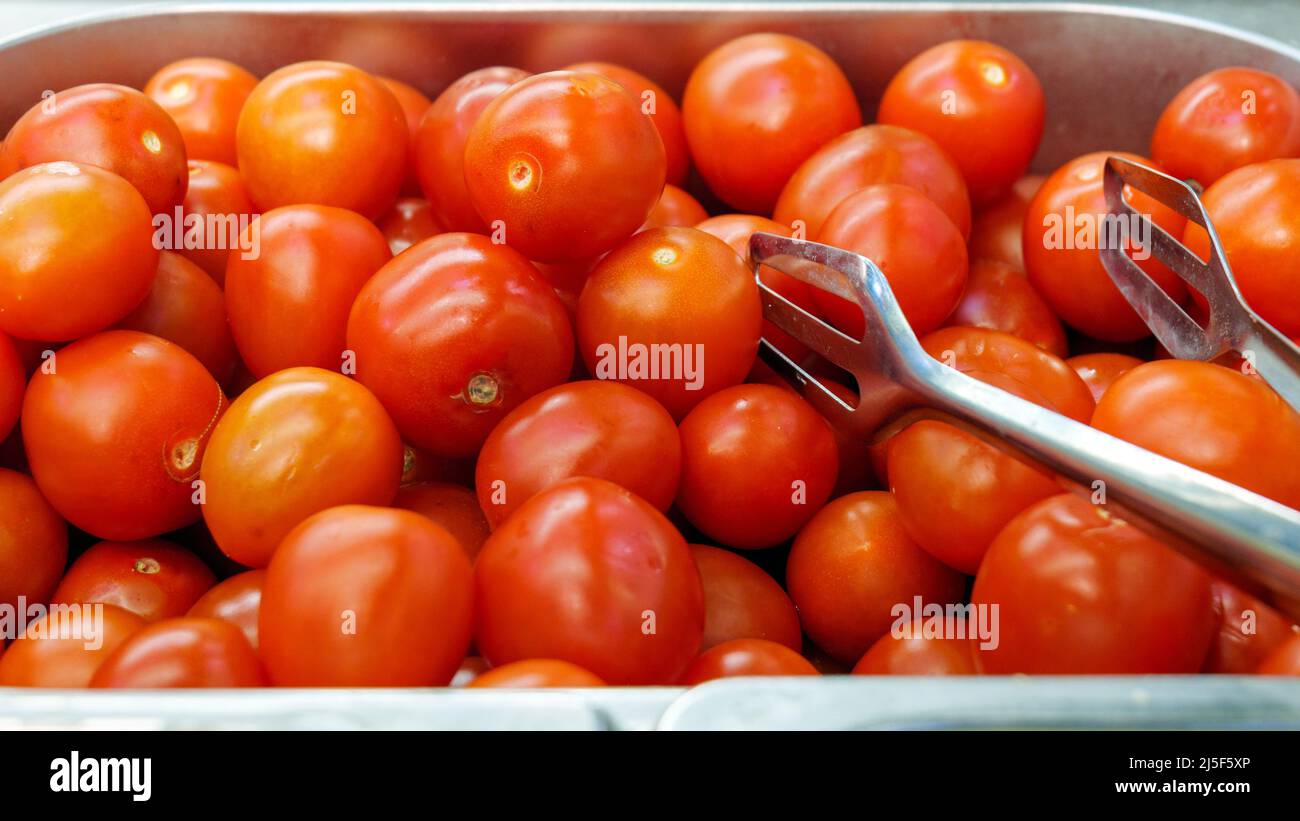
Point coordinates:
pixel 311 380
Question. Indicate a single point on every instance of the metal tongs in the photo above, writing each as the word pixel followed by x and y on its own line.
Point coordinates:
pixel 1207 518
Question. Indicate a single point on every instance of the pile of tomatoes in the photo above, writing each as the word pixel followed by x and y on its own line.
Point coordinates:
pixel 308 380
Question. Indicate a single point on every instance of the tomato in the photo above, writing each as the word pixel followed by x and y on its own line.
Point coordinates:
pixel 182 652
pixel 747 657
pixel 289 305
pixel 998 230
pixel 65 650
pixel 1254 211
pixel 414 104
pixel 322 133
pixel 872 155
pixel 588 573
pixel 1000 298
pixel 155 579
pixel 675 207
pixel 779 97
pixel 1064 227
pixel 920 649
pixel 1248 631
pixel 757 463
pixel 916 246
pixel 455 333
pixel 421 466
pixel 203 95
pixel 565 164
pixel 1284 661
pixel 236 600
pixel 410 221
pixel 1226 119
pixel 470 669
pixel 363 596
pixel 661 108
pixel 982 103
pixel 532 673
pixel 108 126
pixel 33 542
pixel 741 601
pixel 676 287
pixel 295 443
pixel 76 253
pixel 1079 591
pixel 453 507
pixel 216 200
pixel 440 144
pixel 1211 418
pixel 115 432
pixel 1100 370
pixel 186 307
pixel 849 567
pixel 13 382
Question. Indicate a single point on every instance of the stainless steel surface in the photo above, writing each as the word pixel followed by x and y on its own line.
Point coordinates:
pixel 1232 325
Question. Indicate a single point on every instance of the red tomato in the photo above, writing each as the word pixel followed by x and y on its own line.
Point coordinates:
pixel 289 305
pixel 849 567
pixel 64 651
pixel 76 254
pixel 1224 120
pixel 564 165
pixel 921 650
pixel 216 201
pixel 1079 591
pixel 116 430
pixel 998 231
pixel 154 579
pixel 203 95
pixel 13 383
pixel 1284 661
pixel 1100 370
pixel 977 100
pixel 757 463
pixel 1249 631
pixel 410 221
pixel 533 673
pixel 675 207
pixel 186 307
pixel 455 333
pixel 322 133
pixel 920 251
pixel 747 657
pixel 414 104
pixel 236 600
pixel 872 155
pixel 1000 298
pixel 112 127
pixel 1254 210
pixel 366 597
pixel 440 144
pixel 741 601
pixel 676 287
pixel 453 507
pixel 656 104
pixel 588 573
pixel 471 668
pixel 1065 226
pixel 296 443
pixel 182 652
pixel 756 107
pixel 33 542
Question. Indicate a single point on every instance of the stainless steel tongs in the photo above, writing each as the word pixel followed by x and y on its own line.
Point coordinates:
pixel 1206 517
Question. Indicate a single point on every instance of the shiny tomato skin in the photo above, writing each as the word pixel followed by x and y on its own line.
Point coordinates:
pixel 33 541
pixel 217 193
pixel 414 104
pixel 741 601
pixel 410 221
pixel 674 286
pixel 440 144
pixel 979 101
pixel 746 657
pixel 600 429
pixel 295 443
pixel 1226 119
pixel 322 133
pixel 588 573
pixel 1000 298
pixel 1100 370
pixel 63 660
pixel 997 232
pixel 455 333
pixel 289 306
pixel 779 97
pixel 109 126
pixel 13 383
pixel 236 600
pixel 851 564
pixel 1249 631
pixel 916 246
pixel 1283 661
pixel 1081 592
pixel 757 463
pixel 155 579
pixel 871 155
pixel 116 431
pixel 182 652
pixel 452 507
pixel 204 96
pixel 76 254
pixel 675 207
pixel 534 673
pixel 403 583
pixel 921 652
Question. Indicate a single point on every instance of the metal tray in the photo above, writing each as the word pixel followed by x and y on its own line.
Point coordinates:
pixel 1093 61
